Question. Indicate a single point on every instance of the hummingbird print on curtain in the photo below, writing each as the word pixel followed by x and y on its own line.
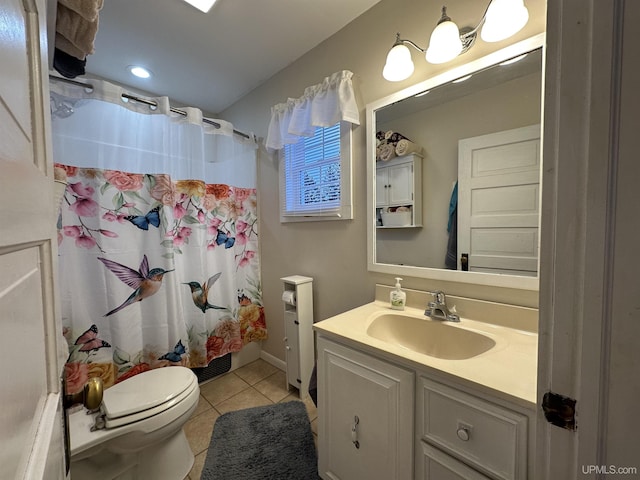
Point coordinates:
pixel 144 282
pixel 200 293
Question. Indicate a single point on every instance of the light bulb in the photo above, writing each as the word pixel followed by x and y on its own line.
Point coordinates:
pixel 445 43
pixel 504 18
pixel 399 65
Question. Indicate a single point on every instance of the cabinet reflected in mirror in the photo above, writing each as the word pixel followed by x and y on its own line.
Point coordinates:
pixel 477 168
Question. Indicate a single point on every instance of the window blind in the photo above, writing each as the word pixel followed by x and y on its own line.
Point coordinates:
pixel 312 174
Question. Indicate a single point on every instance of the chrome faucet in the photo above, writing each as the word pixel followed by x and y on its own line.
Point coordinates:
pixel 437 309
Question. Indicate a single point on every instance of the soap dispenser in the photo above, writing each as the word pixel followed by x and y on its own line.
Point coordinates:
pixel 397 297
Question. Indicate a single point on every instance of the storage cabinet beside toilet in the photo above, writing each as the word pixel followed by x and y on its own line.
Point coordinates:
pixel 297 297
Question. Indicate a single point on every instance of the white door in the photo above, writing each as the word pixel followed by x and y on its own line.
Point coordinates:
pixel 498 201
pixel 590 267
pixel 30 417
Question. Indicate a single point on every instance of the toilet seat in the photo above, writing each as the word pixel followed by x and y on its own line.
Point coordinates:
pixel 146 394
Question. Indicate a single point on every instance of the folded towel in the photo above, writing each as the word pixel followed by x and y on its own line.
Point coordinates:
pixel 68 66
pixel 405 147
pixel 386 152
pixel 393 137
pixel 80 32
pixel 64 45
pixel 87 9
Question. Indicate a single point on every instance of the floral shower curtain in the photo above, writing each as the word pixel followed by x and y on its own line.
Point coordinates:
pixel 158 235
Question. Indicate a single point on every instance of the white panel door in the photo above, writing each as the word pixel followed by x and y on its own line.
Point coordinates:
pixel 31 416
pixel 499 201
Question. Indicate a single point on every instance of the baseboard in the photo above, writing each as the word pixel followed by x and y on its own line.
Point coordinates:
pixel 275 361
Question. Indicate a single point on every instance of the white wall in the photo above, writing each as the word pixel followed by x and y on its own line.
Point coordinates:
pixel 334 253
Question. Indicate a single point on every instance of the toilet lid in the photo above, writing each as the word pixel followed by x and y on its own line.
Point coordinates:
pixel 147 391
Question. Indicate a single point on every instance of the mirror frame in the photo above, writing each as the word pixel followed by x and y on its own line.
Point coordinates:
pixel 488 279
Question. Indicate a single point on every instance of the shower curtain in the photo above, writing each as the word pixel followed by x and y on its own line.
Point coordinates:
pixel 158 235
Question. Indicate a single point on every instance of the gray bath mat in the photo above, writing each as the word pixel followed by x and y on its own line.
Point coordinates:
pixel 273 442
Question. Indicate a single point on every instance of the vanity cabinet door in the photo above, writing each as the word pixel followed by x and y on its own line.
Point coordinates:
pixel 365 415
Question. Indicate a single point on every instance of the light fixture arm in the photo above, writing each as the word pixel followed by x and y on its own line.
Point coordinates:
pixel 402 41
pixel 467 34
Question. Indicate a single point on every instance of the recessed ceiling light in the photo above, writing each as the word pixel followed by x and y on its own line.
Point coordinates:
pixel 138 71
pixel 202 5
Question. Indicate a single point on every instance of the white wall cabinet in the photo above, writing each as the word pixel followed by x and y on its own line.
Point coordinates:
pixel 365 414
pixel 398 184
pixel 368 427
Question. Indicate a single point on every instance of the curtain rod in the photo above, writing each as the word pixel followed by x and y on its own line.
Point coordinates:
pixel 151 103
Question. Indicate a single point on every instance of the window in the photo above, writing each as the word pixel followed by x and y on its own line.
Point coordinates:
pixel 315 176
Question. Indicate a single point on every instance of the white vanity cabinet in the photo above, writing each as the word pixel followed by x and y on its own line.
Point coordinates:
pixel 398 184
pixel 382 420
pixel 365 416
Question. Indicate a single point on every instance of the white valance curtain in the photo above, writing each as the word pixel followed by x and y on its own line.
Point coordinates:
pixel 322 105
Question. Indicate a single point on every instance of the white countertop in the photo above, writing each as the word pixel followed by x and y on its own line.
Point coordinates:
pixel 510 367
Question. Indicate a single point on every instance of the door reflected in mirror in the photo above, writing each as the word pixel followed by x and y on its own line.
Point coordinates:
pixel 477 154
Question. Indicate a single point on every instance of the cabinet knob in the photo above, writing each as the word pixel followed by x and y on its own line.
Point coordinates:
pixel 464 432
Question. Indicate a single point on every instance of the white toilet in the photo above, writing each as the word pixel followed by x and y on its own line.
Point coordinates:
pixel 142 436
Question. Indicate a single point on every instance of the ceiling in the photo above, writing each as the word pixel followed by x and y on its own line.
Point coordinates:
pixel 211 60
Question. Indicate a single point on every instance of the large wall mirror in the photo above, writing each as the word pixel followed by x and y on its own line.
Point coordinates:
pixel 454 173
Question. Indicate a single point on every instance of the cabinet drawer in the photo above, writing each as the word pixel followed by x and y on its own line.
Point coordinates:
pixel 480 433
pixel 436 465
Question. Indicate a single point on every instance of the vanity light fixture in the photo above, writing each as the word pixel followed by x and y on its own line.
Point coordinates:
pixel 501 19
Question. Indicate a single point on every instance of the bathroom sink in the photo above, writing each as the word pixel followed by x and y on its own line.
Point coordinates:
pixel 429 337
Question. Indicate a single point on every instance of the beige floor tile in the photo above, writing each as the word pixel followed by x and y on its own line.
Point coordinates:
pixel 274 387
pixel 311 408
pixel 202 407
pixel 222 388
pixel 308 403
pixel 255 371
pixel 198 465
pixel 246 399
pixel 198 430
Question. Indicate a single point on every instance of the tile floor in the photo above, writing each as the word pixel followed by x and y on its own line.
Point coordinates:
pixel 258 383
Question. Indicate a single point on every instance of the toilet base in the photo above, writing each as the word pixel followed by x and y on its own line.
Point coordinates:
pixel 171 459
